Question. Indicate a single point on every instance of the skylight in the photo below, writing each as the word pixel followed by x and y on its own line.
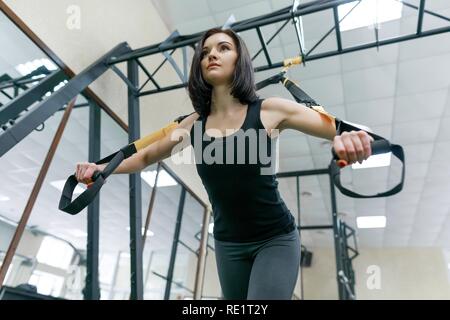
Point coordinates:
pixel 369 13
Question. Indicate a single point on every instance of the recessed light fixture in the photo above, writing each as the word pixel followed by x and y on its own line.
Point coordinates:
pixel 371 222
pixel 164 179
pixel 4 198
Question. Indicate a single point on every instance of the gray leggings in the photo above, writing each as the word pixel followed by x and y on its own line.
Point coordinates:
pixel 261 270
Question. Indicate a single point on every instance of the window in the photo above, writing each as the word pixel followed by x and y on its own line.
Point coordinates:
pixel 55 253
pixel 369 13
pixel 47 283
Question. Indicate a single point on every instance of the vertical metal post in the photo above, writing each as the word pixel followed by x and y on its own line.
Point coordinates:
pixel 336 237
pixel 420 17
pixel 337 28
pixel 202 251
pixel 302 295
pixel 92 288
pixel 135 188
pixel 176 237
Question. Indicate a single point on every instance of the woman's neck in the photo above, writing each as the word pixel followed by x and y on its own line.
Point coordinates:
pixel 222 101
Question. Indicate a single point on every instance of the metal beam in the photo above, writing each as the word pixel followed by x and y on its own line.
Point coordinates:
pixel 136 265
pixel 13 108
pixel 301 173
pixel 92 289
pixel 181 41
pixel 43 110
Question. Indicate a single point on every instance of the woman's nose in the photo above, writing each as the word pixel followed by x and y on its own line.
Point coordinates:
pixel 212 54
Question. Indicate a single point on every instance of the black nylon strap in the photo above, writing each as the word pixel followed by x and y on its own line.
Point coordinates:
pixel 341 126
pixel 82 201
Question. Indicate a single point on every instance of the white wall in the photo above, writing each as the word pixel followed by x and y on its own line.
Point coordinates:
pixel 104 24
pixel 404 273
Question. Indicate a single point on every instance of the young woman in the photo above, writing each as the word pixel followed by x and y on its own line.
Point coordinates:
pixel 257 244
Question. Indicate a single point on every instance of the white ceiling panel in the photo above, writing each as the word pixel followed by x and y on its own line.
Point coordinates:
pixel 371 113
pixel 328 90
pixel 370 84
pixel 407 132
pixel 370 58
pixel 424 74
pixel 426 105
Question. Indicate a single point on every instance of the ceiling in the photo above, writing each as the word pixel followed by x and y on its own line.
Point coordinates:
pixel 400 91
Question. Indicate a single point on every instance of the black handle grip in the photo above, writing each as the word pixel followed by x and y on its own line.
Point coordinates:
pixel 377 146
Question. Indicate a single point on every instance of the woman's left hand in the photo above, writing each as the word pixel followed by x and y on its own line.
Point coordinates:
pixel 353 146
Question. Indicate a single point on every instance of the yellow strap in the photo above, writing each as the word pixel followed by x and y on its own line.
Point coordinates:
pixel 328 116
pixel 155 136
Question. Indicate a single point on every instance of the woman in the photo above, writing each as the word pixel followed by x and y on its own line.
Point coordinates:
pixel 257 243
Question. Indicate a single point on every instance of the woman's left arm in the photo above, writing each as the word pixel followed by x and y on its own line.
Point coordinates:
pixel 351 146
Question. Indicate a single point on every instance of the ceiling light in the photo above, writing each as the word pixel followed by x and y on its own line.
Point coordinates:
pixel 164 179
pixel 371 222
pixel 59 184
pixel 369 13
pixel 30 66
pixel 150 233
pixel 3 198
pixel 378 160
pixel 77 233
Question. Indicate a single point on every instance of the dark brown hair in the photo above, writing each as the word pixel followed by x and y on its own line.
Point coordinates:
pixel 242 86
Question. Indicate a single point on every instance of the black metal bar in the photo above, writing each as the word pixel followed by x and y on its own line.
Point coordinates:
pixel 301 173
pixel 92 289
pixel 337 28
pixel 130 85
pixel 136 266
pixel 271 38
pixel 178 284
pixel 337 239
pixel 187 247
pixel 43 110
pixel 316 227
pixel 363 47
pixel 150 77
pixel 18 104
pixel 263 44
pixel 437 15
pixel 6 95
pixel 176 238
pixel 303 9
pixel 331 30
pixel 20 83
pixel 177 86
pixel 420 18
pixel 297 182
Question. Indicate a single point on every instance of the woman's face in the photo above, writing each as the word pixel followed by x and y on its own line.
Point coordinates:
pixel 218 60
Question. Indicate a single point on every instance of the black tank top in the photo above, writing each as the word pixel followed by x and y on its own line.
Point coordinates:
pixel 243 193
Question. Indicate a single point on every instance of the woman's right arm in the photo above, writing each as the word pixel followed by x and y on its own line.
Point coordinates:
pixel 153 153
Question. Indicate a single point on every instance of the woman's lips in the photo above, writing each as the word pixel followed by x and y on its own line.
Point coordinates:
pixel 213 65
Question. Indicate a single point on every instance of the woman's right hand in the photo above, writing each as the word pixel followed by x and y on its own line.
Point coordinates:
pixel 85 170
